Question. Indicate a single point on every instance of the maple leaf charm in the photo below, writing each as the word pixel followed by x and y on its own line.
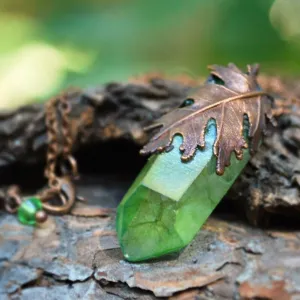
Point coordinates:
pixel 227 97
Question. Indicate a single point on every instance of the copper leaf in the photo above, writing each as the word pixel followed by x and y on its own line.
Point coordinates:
pixel 227 97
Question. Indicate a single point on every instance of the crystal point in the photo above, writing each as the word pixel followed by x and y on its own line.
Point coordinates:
pixel 170 200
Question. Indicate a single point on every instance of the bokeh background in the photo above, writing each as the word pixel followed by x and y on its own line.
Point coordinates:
pixel 47 46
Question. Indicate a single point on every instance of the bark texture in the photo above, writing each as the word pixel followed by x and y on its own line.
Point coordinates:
pixel 78 255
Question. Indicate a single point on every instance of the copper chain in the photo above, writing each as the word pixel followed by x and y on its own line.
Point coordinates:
pixel 55 148
pixel 61 167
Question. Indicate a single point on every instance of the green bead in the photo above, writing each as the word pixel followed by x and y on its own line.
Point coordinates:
pixel 170 200
pixel 28 209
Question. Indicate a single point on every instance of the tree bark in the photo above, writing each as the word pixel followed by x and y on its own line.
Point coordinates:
pixel 228 257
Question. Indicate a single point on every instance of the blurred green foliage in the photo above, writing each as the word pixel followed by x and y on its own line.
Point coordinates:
pixel 50 45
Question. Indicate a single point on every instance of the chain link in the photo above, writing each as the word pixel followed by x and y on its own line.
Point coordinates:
pixel 59 151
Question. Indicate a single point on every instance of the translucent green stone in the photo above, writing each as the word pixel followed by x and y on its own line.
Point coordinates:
pixel 28 210
pixel 170 200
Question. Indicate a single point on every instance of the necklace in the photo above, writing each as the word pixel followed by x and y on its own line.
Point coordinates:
pixel 182 182
pixel 60 170
pixel 198 151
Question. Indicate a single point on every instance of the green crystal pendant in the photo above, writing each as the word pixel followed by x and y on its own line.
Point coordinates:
pixel 170 200
pixel 28 209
